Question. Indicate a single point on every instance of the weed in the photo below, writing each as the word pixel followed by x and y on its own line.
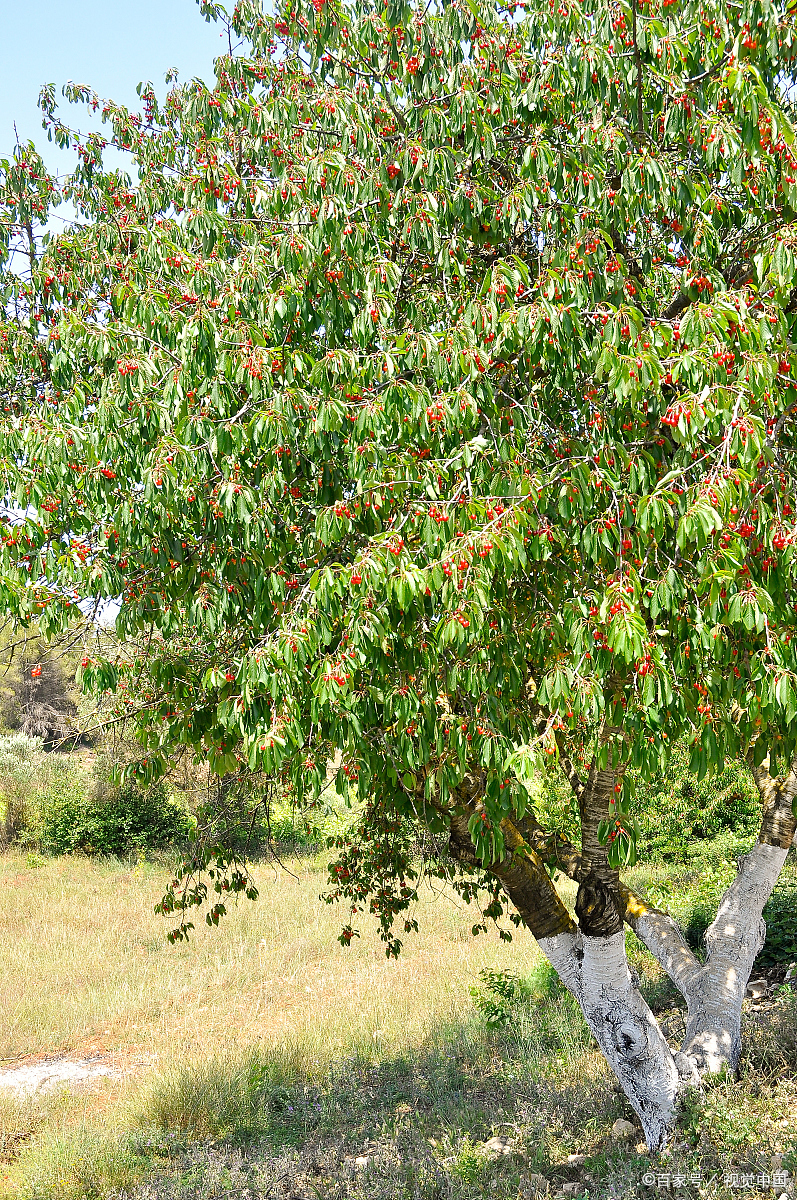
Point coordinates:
pixel 468 1165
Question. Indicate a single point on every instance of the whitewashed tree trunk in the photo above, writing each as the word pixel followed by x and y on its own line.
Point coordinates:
pixel 733 941
pixel 595 971
pixel 590 958
pixel 736 936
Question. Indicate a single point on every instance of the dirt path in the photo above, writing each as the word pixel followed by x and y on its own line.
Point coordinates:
pixel 47 1074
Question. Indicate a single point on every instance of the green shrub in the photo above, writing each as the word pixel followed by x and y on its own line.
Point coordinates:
pixel 124 820
pixel 503 993
pixel 674 809
pixel 21 763
pixel 780 914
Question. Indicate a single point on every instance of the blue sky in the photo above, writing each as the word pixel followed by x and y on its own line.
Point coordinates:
pixel 111 45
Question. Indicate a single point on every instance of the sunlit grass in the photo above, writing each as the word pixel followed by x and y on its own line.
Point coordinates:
pixel 84 964
pixel 85 969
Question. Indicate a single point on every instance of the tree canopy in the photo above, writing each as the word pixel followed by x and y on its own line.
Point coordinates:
pixel 424 392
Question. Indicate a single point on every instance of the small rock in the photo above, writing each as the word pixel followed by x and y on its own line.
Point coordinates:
pixel 623 1129
pixel 641 1147
pixel 776 1163
pixel 362 1162
pixel 537 1185
pixel 575 1160
pixel 498 1147
pixel 791 973
pixel 572 1189
pixel 757 989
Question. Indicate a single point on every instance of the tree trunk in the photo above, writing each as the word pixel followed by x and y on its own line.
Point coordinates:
pixel 736 936
pixel 590 958
pixel 593 968
pixel 733 941
pixel 595 971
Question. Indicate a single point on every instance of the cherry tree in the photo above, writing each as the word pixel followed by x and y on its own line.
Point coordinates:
pixel 423 393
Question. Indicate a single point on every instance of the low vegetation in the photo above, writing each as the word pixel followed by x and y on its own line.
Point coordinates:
pixel 57 803
pixel 266 1059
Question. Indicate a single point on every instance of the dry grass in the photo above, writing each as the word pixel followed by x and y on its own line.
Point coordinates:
pixel 85 969
pixel 268 1036
pixel 84 964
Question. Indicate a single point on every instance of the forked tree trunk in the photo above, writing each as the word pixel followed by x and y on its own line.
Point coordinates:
pixel 595 971
pixel 714 990
pixel 590 958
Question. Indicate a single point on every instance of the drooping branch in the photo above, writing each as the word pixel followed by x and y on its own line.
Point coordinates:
pixel 545 723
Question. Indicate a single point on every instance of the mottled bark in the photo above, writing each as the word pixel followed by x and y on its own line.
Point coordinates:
pixel 778 825
pixel 596 972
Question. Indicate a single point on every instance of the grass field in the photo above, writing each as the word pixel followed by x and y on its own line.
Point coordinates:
pixel 264 1058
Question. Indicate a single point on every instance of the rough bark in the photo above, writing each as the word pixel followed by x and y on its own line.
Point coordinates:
pixel 778 825
pixel 624 1027
pixel 595 971
pixel 598 900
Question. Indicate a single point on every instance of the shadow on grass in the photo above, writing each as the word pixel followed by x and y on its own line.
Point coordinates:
pixel 402 1125
pixel 465 1075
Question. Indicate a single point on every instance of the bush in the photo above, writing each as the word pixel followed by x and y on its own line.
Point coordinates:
pixel 504 993
pixel 780 914
pixel 674 809
pixel 21 760
pixel 122 821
